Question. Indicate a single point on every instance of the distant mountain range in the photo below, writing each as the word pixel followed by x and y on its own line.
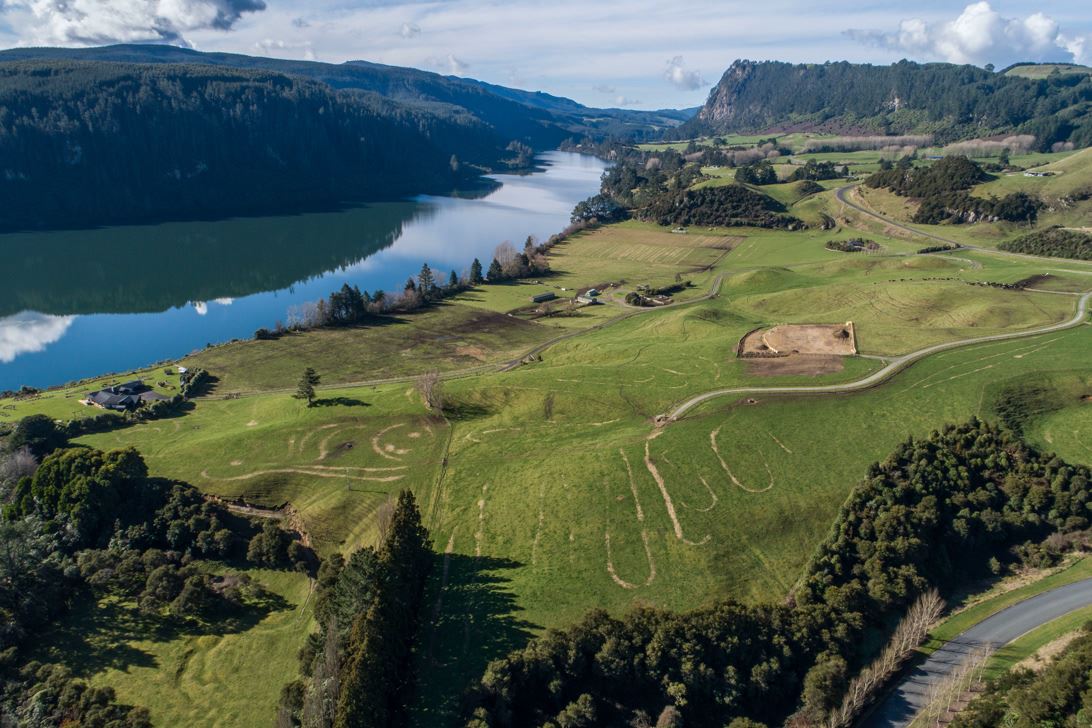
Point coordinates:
pixel 952 102
pixel 135 133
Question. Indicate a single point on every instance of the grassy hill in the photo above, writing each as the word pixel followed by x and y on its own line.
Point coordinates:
pixel 1043 70
pixel 728 502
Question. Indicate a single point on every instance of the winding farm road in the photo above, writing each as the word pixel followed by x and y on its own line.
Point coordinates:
pixel 899 363
pixel 911 695
pixel 894 366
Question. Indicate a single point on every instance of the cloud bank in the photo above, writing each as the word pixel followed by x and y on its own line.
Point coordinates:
pixel 981 35
pixel 87 22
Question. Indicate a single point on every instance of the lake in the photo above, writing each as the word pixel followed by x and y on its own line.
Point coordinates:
pixel 75 304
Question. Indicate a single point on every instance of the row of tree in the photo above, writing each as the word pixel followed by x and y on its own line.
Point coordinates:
pixel 350 306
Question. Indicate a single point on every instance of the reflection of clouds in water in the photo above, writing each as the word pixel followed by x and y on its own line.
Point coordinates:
pixel 28 332
pixel 202 307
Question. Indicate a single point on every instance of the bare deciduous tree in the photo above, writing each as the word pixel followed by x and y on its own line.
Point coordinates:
pixel 910 633
pixel 946 697
pixel 320 702
pixel 430 386
pixel 17 465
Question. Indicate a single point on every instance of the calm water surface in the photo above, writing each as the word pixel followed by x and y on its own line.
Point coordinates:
pixel 75 304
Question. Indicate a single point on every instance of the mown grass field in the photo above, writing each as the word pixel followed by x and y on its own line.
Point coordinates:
pixel 548 489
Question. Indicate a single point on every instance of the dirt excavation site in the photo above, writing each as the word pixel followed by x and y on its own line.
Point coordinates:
pixel 798 349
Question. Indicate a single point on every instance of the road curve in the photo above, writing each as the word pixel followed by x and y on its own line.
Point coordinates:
pixel 895 365
pixel 911 694
pixel 840 195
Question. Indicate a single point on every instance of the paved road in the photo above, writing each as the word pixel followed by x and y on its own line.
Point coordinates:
pixel 896 364
pixel 911 694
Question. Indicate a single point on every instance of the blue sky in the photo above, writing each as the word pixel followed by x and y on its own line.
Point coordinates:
pixel 636 53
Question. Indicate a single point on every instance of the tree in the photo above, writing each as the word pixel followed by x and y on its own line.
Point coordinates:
pixel 601 208
pixel 476 272
pixel 426 283
pixel 377 680
pixel 496 273
pixel 305 389
pixel 430 386
pixel 269 547
pixel 38 433
pixel 17 464
pixel 453 280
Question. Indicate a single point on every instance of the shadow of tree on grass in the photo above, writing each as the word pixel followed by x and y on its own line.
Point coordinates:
pixel 472 620
pixel 101 634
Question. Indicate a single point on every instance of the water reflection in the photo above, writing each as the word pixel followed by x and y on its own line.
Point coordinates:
pixel 29 332
pixel 155 292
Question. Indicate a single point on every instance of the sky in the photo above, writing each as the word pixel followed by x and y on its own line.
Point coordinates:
pixel 629 53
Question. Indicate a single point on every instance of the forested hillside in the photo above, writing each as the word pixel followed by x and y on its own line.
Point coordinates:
pixel 89 143
pixel 952 102
pixel 536 119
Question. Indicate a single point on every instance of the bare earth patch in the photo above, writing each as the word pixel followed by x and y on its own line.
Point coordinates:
pixel 795 364
pixel 797 349
pixel 836 339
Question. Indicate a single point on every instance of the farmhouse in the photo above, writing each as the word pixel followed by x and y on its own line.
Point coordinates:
pixel 123 397
pixel 544 297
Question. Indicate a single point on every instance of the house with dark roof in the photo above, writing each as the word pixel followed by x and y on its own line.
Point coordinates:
pixel 124 397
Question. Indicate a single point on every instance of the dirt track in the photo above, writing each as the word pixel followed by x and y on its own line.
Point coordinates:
pixel 893 367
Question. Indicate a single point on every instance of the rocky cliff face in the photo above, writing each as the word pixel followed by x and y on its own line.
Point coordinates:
pixel 720 109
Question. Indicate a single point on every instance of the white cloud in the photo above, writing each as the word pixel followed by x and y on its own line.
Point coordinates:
pixel 626 101
pixel 277 47
pixel 448 64
pixel 676 73
pixel 980 35
pixel 28 332
pixel 81 22
pixel 604 89
pixel 409 30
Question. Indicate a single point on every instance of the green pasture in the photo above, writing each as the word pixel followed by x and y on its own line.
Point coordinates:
pixel 225 674
pixel 336 463
pixel 548 489
pixel 63 403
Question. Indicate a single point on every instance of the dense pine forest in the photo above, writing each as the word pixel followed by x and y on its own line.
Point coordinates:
pixel 91 143
pixel 952 102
